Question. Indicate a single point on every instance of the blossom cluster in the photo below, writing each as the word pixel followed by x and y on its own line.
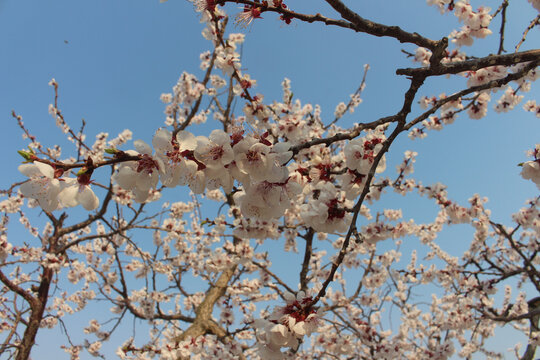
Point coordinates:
pixel 286 325
pixel 54 193
pixel 282 174
pixel 531 169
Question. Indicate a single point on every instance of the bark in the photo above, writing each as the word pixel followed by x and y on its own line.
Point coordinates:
pixel 38 308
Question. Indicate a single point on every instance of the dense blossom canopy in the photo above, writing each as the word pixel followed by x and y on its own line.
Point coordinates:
pixel 280 171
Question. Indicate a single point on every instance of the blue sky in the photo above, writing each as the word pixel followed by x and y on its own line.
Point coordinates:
pixel 113 59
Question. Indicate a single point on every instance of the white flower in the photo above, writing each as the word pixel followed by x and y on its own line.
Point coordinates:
pixel 360 154
pixel 532 107
pixel 142 175
pixel 174 156
pixel 422 55
pixel 42 185
pixel 253 159
pixel 178 160
pixel 5 248
pixel 204 5
pixel 214 151
pixel 77 191
pixel 260 161
pixel 216 178
pixel 286 325
pixel 531 171
pixel 228 62
pixel 265 201
pixel 353 184
pixel 479 109
pixel 325 211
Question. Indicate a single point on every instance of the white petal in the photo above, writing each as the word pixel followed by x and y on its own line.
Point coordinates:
pixel 143 181
pixel 220 137
pixel 291 322
pixel 299 328
pixel 198 182
pixel 87 198
pixel 45 169
pixel 289 297
pixel 49 205
pixel 170 176
pixel 381 166
pixel 126 177
pixel 187 171
pixel 186 140
pixel 68 196
pixel 31 189
pixel 228 155
pixel 140 195
pixel 142 147
pixel 280 329
pixel 162 140
pixel 30 170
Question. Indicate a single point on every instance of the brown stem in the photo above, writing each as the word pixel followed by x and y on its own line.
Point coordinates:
pixel 203 323
pixel 490 85
pixel 295 15
pixel 504 5
pixel 536 21
pixel 534 320
pixel 350 103
pixel 36 315
pixel 356 210
pixel 197 104
pixel 307 257
pixel 473 65
pixel 376 29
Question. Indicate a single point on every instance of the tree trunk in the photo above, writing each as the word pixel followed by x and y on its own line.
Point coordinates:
pixel 38 308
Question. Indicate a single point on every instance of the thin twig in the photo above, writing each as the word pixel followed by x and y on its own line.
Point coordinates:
pixel 536 21
pixel 504 5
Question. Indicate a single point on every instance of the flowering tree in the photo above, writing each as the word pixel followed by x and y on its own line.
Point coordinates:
pixel 206 284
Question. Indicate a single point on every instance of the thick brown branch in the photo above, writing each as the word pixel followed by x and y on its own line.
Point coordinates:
pixel 376 29
pixel 490 85
pixel 343 136
pixel 506 319
pixel 473 65
pixel 531 348
pixel 203 323
pixel 307 257
pixel 38 308
pixel 295 15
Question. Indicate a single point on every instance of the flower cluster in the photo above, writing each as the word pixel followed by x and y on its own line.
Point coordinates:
pixel 475 23
pixel 286 325
pixel 54 192
pixel 279 171
pixel 531 169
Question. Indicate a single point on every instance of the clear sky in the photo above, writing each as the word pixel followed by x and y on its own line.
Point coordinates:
pixel 113 59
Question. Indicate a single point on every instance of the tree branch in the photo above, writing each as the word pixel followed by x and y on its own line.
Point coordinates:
pixel 473 65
